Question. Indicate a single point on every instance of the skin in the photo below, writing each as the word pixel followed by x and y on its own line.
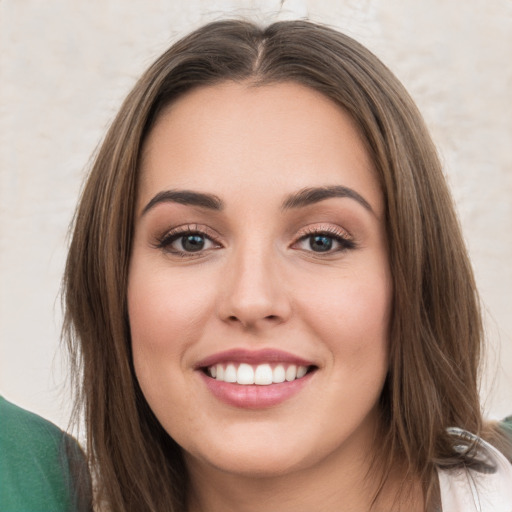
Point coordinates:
pixel 258 284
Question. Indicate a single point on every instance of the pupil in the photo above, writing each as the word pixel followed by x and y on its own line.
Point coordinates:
pixel 320 243
pixel 193 243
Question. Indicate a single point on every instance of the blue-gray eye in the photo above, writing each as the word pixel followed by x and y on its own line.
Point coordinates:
pixel 187 242
pixel 320 243
pixel 192 242
pixel 325 242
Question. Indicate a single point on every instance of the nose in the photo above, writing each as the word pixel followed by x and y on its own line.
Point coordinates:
pixel 254 295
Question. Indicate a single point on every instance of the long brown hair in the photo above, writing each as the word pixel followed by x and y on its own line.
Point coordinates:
pixel 435 331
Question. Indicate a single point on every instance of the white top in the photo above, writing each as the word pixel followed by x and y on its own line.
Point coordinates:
pixel 485 489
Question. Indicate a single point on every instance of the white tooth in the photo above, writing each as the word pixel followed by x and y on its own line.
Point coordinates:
pixel 291 373
pixel 278 375
pixel 245 374
pixel 212 371
pixel 219 371
pixel 230 373
pixel 301 371
pixel 263 374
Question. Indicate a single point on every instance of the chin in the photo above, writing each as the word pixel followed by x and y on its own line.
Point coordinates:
pixel 256 460
pixel 254 465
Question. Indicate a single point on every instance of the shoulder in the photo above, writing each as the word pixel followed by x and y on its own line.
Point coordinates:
pixel 37 462
pixel 21 428
pixel 484 487
pixel 506 425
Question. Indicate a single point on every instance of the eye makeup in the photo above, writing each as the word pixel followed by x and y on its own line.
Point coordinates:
pixel 194 240
pixel 324 239
pixel 190 240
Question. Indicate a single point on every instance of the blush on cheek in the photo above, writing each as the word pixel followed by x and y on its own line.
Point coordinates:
pixel 153 319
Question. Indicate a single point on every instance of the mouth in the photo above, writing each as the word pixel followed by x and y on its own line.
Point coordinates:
pixel 255 379
pixel 263 374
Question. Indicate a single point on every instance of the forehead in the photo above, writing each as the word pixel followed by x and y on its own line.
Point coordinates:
pixel 230 135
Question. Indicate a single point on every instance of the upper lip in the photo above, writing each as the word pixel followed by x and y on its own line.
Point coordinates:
pixel 239 355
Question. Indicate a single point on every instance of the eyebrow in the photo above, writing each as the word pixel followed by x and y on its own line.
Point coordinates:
pixel 304 197
pixel 312 195
pixel 186 197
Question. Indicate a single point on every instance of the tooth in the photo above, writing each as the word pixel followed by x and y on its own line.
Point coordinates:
pixel 278 375
pixel 230 373
pixel 263 374
pixel 291 373
pixel 301 371
pixel 245 374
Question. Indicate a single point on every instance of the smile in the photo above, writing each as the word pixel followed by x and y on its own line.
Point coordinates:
pixel 255 379
pixel 260 375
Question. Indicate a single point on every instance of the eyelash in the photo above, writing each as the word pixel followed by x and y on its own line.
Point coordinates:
pixel 166 241
pixel 341 237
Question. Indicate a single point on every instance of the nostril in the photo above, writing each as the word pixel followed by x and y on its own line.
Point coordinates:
pixel 234 318
pixel 251 319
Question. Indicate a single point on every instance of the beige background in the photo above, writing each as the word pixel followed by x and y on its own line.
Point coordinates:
pixel 66 65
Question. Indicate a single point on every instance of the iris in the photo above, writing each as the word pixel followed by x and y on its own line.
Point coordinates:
pixel 320 243
pixel 192 243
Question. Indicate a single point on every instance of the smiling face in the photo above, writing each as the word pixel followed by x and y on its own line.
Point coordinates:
pixel 259 288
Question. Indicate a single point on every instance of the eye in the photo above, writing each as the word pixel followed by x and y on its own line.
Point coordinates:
pixel 320 243
pixel 186 242
pixel 192 243
pixel 324 241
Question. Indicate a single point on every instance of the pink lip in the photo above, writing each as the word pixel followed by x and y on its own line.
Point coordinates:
pixel 253 396
pixel 252 357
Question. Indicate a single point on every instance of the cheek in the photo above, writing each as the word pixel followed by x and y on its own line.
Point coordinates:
pixel 351 315
pixel 360 308
pixel 165 308
pixel 166 315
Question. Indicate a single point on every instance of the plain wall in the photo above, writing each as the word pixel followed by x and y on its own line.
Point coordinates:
pixel 66 65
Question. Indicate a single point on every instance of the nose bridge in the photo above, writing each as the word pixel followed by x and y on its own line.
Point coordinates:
pixel 254 291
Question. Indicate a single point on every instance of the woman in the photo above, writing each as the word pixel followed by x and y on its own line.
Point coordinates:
pixel 269 302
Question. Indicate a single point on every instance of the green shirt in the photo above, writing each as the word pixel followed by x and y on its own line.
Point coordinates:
pixel 506 424
pixel 42 468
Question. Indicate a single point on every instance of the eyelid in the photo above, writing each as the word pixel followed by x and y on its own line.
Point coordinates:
pixel 315 229
pixel 170 235
pixel 341 235
pixel 164 241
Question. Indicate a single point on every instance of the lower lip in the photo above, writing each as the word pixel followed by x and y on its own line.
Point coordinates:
pixel 254 396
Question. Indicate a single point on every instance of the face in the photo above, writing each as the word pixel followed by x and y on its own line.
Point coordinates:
pixel 259 287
